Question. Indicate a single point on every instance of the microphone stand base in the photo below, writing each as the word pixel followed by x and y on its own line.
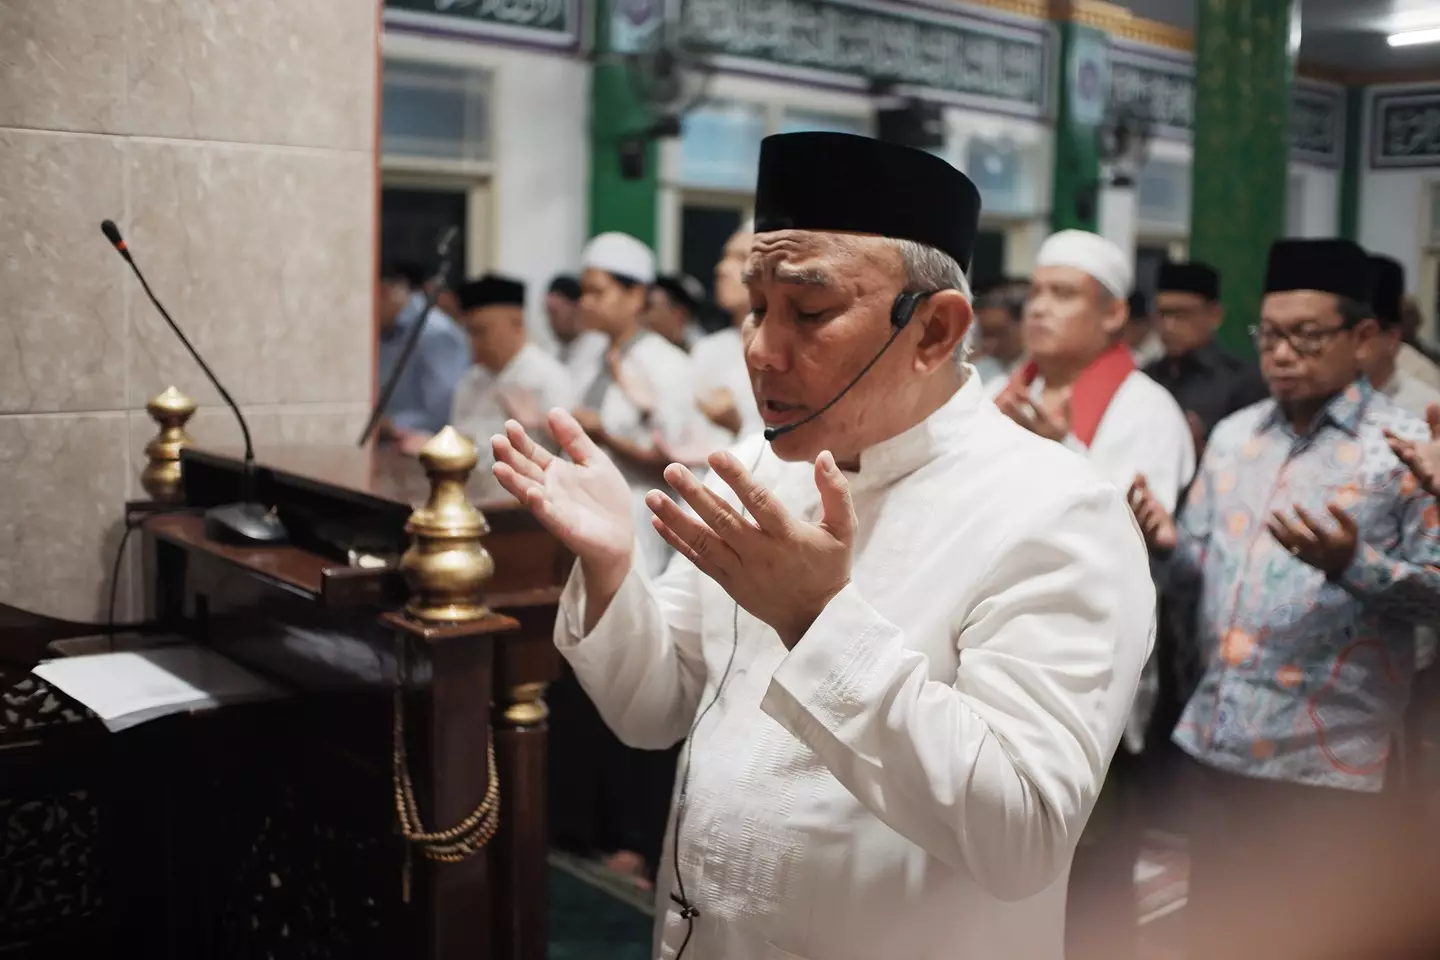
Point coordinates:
pixel 245 524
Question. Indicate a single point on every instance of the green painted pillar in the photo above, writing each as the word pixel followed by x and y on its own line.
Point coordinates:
pixel 1243 70
pixel 1352 163
pixel 618 203
pixel 1084 59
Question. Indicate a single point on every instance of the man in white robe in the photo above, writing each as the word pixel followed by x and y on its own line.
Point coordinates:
pixel 512 378
pixel 1083 390
pixel 902 636
pixel 582 351
pixel 641 391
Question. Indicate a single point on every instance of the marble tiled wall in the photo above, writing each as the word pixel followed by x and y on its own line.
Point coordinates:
pixel 234 145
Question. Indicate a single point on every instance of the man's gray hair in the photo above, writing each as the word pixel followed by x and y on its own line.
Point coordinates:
pixel 927 268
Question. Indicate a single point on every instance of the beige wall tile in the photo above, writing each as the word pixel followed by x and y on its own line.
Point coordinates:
pixel 323 425
pixel 61 513
pixel 62 328
pixel 263 256
pixel 264 71
pixel 62 65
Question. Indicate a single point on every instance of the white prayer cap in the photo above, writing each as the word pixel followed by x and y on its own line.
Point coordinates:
pixel 622 255
pixel 1092 253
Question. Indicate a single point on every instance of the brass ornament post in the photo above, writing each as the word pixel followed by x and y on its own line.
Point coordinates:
pixel 525 705
pixel 446 566
pixel 446 569
pixel 160 478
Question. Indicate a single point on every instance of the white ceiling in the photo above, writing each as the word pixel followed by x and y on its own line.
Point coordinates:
pixel 1348 34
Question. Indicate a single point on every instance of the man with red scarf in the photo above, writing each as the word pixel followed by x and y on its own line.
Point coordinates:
pixel 1081 388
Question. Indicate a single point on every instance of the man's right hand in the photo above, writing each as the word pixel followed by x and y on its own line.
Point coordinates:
pixel 1423 459
pixel 1155 521
pixel 583 501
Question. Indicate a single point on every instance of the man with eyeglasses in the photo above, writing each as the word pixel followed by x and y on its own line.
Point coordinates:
pixel 1313 552
pixel 1208 381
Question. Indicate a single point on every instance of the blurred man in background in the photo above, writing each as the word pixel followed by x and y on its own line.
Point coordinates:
pixel 1208 381
pixel 581 350
pixel 673 309
pixel 723 393
pixel 997 340
pixel 420 405
pixel 511 378
pixel 1081 388
pixel 1383 356
pixel 1140 335
pixel 643 389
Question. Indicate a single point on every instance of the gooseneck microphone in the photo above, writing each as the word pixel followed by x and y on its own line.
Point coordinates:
pixel 900 314
pixel 433 289
pixel 248 521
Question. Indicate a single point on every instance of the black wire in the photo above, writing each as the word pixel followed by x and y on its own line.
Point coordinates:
pixel 115 583
pixel 687 911
pixel 130 524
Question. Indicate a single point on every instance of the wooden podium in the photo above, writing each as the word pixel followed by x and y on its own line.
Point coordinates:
pixel 416 632
pixel 391 805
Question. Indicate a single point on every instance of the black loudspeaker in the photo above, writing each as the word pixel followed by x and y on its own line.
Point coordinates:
pixel 916 124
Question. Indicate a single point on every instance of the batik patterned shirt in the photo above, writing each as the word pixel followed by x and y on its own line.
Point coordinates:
pixel 1306 678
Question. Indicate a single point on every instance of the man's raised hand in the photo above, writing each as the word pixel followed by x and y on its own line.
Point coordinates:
pixel 1155 521
pixel 583 501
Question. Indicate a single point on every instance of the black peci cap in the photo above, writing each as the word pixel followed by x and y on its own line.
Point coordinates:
pixel 843 182
pixel 491 290
pixel 1387 285
pixel 1193 277
pixel 1340 267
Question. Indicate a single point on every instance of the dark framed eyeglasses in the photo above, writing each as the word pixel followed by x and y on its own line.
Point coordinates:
pixel 1308 342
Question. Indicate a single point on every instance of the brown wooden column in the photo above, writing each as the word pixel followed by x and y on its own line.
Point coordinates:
pixel 518 854
pixel 445 763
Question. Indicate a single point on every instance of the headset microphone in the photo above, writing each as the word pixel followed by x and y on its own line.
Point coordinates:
pixel 900 315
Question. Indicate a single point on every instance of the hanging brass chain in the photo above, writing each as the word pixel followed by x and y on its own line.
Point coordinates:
pixel 471 834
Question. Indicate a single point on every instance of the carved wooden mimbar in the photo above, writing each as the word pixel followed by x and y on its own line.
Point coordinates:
pixel 390 804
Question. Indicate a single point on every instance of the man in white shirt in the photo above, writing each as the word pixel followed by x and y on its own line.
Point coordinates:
pixel 581 350
pixel 998 345
pixel 673 307
pixel 1082 389
pixel 1380 358
pixel 512 379
pixel 722 381
pixel 902 635
pixel 642 390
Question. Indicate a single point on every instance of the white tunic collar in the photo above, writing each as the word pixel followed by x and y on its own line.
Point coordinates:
pixel 903 454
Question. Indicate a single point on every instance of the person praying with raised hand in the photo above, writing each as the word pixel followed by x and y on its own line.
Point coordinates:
pixel 901 633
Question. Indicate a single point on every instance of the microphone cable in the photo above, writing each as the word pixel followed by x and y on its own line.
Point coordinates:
pixel 688 911
pixel 131 524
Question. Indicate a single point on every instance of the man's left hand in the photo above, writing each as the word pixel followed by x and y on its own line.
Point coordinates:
pixel 784 571
pixel 1052 425
pixel 1328 550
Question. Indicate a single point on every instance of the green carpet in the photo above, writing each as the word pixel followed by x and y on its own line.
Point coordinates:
pixel 589 923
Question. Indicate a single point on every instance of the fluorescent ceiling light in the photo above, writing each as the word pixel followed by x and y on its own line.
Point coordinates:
pixel 1412 38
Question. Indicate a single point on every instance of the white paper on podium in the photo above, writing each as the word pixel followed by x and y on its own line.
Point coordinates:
pixel 125 689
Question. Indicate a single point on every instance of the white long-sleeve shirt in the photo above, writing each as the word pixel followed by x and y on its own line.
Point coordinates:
pixel 910 781
pixel 718 362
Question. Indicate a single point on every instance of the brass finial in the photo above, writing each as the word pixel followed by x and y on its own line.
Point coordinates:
pixel 446 566
pixel 161 476
pixel 525 706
